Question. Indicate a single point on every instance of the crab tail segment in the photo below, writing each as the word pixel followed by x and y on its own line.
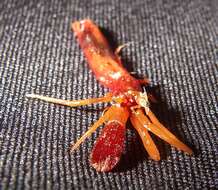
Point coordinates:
pixel 109 146
pixel 146 139
pixel 158 129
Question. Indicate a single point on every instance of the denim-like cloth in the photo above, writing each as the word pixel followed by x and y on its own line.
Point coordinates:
pixel 174 44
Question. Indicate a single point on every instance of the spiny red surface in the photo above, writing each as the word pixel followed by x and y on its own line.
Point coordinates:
pixel 108 147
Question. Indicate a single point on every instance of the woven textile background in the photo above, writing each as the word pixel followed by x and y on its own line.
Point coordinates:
pixel 174 43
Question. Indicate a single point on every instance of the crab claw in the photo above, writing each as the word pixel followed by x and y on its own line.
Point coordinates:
pixel 109 146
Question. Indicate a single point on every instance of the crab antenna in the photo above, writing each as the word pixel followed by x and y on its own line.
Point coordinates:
pixel 72 103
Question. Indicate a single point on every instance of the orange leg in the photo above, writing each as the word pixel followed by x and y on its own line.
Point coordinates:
pixel 174 140
pixel 158 129
pixel 146 139
pixel 92 129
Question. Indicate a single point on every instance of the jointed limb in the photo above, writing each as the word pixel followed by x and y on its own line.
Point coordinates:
pixel 146 139
pixel 120 47
pixel 72 103
pixel 93 128
pixel 158 129
pixel 172 138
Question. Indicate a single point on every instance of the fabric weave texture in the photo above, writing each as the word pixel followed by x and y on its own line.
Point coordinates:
pixel 174 44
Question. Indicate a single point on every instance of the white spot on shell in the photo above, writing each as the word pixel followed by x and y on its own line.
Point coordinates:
pixel 102 79
pixel 116 75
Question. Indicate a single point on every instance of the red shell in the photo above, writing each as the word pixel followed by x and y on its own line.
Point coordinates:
pixel 108 147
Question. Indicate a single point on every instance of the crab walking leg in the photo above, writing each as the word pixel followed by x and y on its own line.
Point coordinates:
pixel 72 103
pixel 156 122
pixel 92 129
pixel 146 139
pixel 160 131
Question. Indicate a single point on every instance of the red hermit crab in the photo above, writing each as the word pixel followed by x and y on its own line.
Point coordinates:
pixel 129 102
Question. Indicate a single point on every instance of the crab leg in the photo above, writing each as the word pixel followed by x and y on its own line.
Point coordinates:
pixel 72 103
pixel 146 139
pixel 93 128
pixel 159 130
pixel 175 140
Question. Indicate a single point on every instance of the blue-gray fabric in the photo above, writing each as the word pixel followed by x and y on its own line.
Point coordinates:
pixel 174 44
